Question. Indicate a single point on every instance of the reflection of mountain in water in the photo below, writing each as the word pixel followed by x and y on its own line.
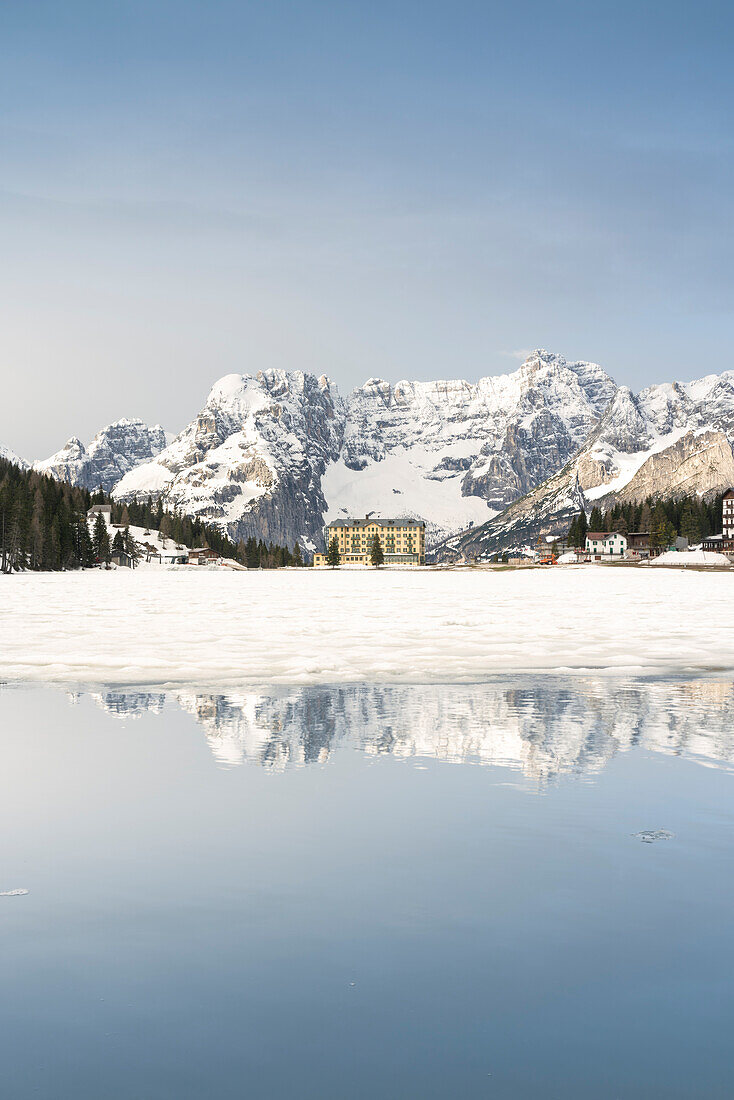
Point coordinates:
pixel 543 728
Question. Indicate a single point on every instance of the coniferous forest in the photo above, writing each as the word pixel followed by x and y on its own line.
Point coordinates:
pixel 663 520
pixel 43 526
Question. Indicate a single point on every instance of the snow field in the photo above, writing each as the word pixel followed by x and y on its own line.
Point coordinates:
pixel 194 626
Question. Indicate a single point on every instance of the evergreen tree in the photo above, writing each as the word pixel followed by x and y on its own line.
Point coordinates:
pixel 131 547
pixel 252 556
pixel 85 549
pixel 377 556
pixel 662 532
pixel 690 524
pixel 645 520
pixel 577 530
pixel 596 521
pixel 100 538
pixel 118 543
pixel 332 557
pixel 297 556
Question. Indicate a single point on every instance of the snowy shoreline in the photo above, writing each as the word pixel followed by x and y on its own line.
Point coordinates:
pixel 323 626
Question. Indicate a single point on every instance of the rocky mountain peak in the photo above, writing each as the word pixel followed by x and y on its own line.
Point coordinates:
pixel 10 456
pixel 114 451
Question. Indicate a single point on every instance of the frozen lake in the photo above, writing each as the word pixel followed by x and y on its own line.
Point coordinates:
pixel 321 626
pixel 517 889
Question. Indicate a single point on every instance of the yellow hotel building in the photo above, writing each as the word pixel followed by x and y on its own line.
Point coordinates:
pixel 403 540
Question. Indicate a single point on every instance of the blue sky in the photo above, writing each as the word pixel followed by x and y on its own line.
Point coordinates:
pixel 407 190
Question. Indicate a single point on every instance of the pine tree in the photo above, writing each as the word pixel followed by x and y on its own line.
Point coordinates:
pixel 596 521
pixel 86 549
pixel 118 543
pixel 662 532
pixel 131 547
pixel 252 557
pixel 577 530
pixel 297 556
pixel 377 556
pixel 645 520
pixel 332 557
pixel 690 524
pixel 99 536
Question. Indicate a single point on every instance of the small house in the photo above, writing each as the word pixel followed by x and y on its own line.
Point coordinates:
pixel 606 544
pixel 104 510
pixel 122 559
pixel 202 555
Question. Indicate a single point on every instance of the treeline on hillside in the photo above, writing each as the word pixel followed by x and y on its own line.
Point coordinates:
pixel 188 531
pixel 664 520
pixel 172 525
pixel 43 526
pixel 42 522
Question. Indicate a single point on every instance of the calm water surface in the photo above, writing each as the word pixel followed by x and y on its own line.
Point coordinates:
pixel 368 892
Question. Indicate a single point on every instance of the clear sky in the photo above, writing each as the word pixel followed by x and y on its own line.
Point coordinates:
pixel 399 189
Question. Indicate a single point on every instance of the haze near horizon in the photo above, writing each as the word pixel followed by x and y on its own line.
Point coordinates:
pixel 410 191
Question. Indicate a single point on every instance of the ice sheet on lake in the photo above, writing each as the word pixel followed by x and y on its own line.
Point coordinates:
pixel 322 626
pixel 651 836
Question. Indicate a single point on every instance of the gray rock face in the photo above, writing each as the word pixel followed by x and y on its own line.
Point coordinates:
pixel 253 459
pixel 114 451
pixel 666 441
pixel 545 512
pixel 277 453
pixel 699 462
pixel 274 454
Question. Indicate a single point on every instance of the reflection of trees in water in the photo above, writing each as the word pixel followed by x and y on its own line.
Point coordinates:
pixel 543 728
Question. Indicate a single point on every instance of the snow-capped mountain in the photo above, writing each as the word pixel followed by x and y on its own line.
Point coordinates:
pixel 114 451
pixel 277 453
pixel 253 459
pixel 10 456
pixel 456 452
pixel 668 440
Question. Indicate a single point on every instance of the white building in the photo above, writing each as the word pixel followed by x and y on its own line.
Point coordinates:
pixel 606 544
pixel 728 514
pixel 104 510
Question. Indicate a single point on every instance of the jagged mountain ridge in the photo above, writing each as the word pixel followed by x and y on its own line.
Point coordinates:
pixel 10 456
pixel 114 451
pixel 669 440
pixel 253 459
pixel 274 454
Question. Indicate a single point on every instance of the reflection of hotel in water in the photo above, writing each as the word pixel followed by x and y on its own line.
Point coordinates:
pixel 555 727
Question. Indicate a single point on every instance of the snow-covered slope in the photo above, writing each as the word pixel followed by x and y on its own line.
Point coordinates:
pixel 253 459
pixel 9 456
pixel 114 451
pixel 277 453
pixel 455 452
pixel 667 441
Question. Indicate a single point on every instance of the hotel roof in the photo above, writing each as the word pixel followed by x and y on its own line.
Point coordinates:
pixel 378 522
